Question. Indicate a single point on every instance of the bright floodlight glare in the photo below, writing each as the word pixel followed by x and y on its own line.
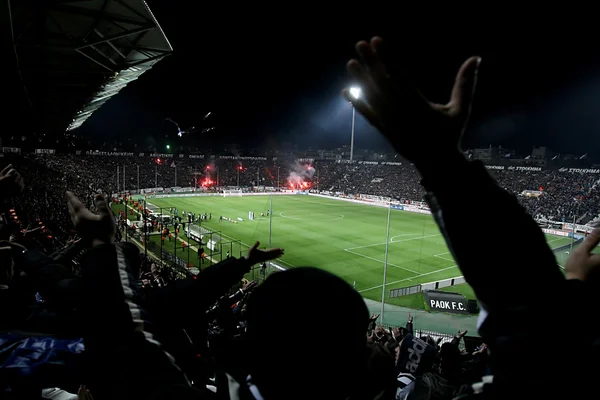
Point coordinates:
pixel 355 92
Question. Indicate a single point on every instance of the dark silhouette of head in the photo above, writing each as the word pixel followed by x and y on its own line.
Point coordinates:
pixel 307 333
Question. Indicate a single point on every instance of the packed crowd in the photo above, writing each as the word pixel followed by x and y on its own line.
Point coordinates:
pixel 50 175
pixel 45 190
pixel 395 181
pixel 563 196
pixel 82 323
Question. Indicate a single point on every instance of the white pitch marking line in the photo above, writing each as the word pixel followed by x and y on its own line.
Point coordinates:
pixel 309 218
pixel 397 241
pixel 285 262
pixel 374 259
pixel 408 279
pixel 444 258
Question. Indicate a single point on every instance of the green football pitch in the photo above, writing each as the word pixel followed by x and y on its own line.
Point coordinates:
pixel 346 239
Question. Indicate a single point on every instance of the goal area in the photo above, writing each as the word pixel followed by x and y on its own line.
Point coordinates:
pixel 217 247
pixel 232 192
pixel 201 234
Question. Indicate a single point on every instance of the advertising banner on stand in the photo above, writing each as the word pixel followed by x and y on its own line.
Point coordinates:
pixel 446 302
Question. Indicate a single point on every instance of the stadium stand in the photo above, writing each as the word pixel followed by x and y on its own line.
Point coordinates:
pixel 74 56
pixel 48 176
pixel 561 195
pixel 83 310
pixel 564 195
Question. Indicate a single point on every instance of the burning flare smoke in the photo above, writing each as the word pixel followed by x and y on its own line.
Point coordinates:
pixel 300 176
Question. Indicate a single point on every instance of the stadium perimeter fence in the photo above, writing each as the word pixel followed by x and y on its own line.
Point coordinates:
pixel 421 333
pixel 187 260
pixel 561 253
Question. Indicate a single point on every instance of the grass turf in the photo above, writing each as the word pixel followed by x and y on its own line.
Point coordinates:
pixel 344 238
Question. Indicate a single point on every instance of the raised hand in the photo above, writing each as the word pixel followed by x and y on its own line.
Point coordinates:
pixel 248 286
pixel 460 334
pixel 379 331
pixel 98 228
pixel 420 130
pixel 582 261
pixel 370 336
pixel 84 394
pixel 482 350
pixel 257 256
pixel 11 182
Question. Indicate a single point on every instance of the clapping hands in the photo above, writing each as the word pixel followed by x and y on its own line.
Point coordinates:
pixel 582 262
pixel 98 228
pixel 257 256
pixel 420 130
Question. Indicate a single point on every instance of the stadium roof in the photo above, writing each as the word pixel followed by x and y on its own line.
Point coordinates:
pixel 75 55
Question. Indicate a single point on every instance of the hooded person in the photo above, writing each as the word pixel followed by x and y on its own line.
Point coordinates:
pixel 307 338
pixel 415 356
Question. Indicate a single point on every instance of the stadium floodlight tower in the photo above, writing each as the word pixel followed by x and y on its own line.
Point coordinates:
pixel 354 92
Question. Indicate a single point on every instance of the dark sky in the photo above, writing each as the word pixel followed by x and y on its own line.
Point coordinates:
pixel 272 76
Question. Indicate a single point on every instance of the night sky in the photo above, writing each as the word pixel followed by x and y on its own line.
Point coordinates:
pixel 273 75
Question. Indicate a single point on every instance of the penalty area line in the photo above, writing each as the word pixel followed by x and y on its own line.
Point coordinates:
pixel 392 242
pixel 374 259
pixel 408 279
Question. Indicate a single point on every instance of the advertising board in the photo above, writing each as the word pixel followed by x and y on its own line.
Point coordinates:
pixel 446 302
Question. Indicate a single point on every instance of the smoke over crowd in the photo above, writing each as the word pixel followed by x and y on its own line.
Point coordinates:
pixel 300 176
